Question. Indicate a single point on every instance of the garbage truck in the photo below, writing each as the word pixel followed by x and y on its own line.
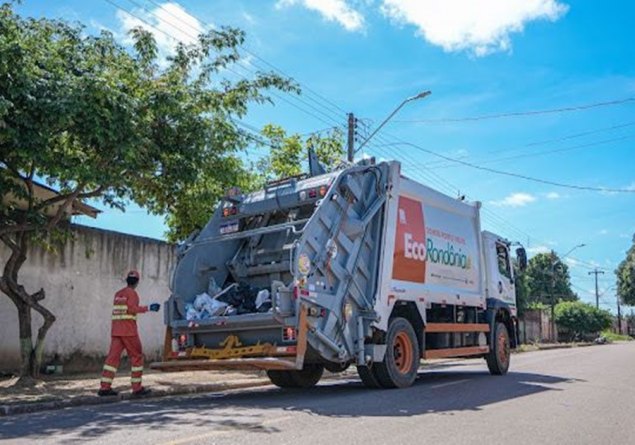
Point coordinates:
pixel 361 266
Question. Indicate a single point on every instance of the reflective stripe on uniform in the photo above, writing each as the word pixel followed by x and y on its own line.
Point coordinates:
pixel 106 380
pixel 136 369
pixel 124 317
pixel 120 306
pixel 135 380
pixel 110 368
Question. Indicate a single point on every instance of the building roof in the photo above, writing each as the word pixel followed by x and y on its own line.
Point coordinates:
pixel 44 192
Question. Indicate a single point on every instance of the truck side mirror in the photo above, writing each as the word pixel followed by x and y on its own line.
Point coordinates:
pixel 521 255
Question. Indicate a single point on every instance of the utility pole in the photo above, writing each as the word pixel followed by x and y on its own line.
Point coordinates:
pixel 597 272
pixel 619 316
pixel 352 125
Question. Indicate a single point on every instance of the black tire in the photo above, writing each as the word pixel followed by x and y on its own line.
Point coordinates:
pixel 308 376
pixel 281 379
pixel 367 375
pixel 336 367
pixel 401 361
pixel 304 378
pixel 499 355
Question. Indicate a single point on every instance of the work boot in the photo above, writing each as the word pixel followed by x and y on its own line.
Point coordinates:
pixel 141 393
pixel 107 392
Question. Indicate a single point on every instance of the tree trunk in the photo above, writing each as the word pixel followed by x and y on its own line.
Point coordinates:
pixel 26 338
pixel 31 356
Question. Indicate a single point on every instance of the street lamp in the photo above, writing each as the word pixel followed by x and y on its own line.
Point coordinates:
pixel 410 99
pixel 569 252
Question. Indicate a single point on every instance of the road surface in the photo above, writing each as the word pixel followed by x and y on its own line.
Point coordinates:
pixel 567 396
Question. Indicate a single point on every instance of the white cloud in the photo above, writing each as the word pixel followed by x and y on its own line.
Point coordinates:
pixel 332 10
pixel 482 27
pixel 603 232
pixel 552 195
pixel 169 22
pixel 515 200
pixel 538 249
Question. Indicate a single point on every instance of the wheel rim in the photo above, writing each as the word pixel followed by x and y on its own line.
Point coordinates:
pixel 402 352
pixel 503 348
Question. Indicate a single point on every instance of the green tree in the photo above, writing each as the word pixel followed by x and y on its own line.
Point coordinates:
pixel 580 318
pixel 548 280
pixel 287 152
pixel 96 120
pixel 626 277
pixel 286 158
pixel 522 289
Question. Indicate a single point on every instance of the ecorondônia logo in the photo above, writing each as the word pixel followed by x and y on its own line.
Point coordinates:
pixel 448 256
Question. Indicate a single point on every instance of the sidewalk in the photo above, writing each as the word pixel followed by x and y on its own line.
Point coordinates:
pixel 56 392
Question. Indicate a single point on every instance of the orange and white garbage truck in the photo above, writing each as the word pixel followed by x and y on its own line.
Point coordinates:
pixel 361 266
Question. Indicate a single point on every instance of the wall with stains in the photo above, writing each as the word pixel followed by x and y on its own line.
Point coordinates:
pixel 80 281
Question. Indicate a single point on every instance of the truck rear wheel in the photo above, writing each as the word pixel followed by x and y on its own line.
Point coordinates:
pixel 303 378
pixel 401 361
pixel 281 379
pixel 367 375
pixel 499 355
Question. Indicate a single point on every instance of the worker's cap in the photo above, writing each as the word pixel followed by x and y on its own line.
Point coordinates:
pixel 134 274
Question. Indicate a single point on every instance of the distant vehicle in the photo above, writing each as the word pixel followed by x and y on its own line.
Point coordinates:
pixel 362 266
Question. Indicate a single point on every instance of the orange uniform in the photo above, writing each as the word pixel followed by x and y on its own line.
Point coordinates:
pixel 124 335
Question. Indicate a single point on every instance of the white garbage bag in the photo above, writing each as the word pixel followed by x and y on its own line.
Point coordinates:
pixel 262 297
pixel 208 306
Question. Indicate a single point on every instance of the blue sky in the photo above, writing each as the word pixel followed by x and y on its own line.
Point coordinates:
pixel 500 56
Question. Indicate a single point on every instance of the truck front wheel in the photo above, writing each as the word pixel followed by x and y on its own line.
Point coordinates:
pixel 499 355
pixel 401 361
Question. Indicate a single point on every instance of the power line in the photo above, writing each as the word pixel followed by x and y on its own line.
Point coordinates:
pixel 326 101
pixel 240 63
pixel 545 152
pixel 521 113
pixel 516 175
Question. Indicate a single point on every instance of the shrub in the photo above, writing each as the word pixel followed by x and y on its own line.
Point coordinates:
pixel 581 319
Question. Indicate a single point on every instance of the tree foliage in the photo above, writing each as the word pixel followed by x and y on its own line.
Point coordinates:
pixel 96 120
pixel 548 281
pixel 522 289
pixel 287 152
pixel 580 318
pixel 626 277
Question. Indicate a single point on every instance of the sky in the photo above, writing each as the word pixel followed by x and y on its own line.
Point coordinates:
pixel 543 89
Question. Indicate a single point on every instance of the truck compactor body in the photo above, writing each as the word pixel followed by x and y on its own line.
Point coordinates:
pixel 361 266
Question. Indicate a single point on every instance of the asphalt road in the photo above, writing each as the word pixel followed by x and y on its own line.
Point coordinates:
pixel 566 396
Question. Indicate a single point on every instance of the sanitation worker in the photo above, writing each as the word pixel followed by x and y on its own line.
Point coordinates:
pixel 125 336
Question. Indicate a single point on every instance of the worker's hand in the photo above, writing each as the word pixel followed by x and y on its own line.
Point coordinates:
pixel 154 307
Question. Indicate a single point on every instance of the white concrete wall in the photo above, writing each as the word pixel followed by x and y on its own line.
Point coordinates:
pixel 80 282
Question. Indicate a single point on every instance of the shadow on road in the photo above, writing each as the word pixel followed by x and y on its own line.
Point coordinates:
pixel 434 392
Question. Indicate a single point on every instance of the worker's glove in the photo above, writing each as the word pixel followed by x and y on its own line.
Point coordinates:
pixel 154 307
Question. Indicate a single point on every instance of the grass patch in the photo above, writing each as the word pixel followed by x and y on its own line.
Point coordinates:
pixel 612 336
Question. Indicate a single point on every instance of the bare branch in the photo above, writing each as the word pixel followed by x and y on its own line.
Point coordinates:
pixel 7 230
pixel 39 295
pixel 60 211
pixel 74 194
pixel 8 241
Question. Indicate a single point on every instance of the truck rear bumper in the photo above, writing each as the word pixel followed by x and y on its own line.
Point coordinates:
pixel 295 361
pixel 240 364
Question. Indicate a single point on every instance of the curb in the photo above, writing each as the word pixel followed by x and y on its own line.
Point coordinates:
pixel 26 408
pixel 550 347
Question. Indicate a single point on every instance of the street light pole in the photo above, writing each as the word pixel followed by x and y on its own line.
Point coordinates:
pixel 410 99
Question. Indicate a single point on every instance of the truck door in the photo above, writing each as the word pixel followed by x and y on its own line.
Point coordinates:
pixel 500 272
